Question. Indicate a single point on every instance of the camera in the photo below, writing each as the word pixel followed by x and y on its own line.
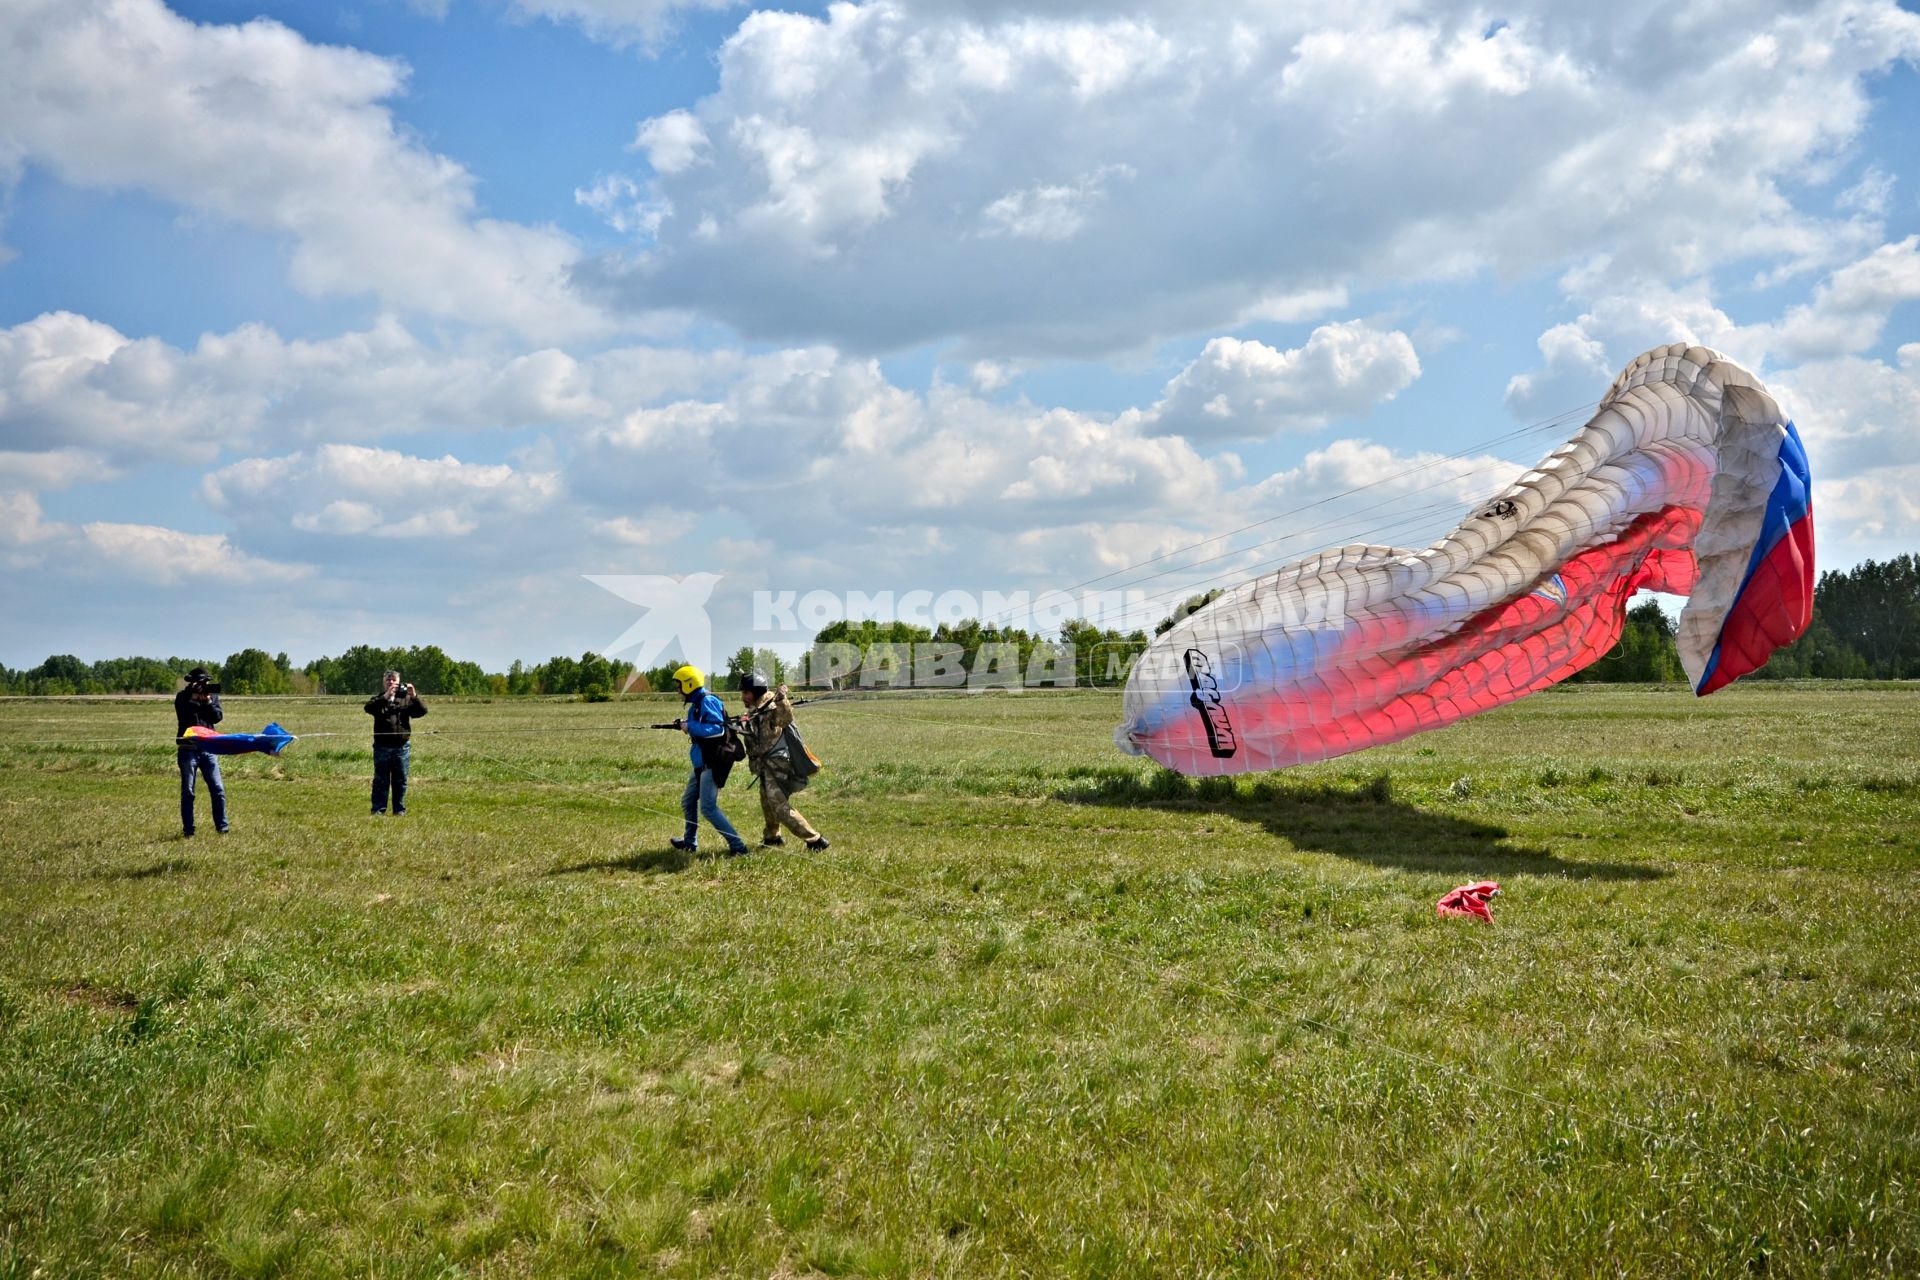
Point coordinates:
pixel 204 686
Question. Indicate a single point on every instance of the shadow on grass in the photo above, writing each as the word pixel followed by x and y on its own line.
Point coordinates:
pixel 1361 821
pixel 164 867
pixel 647 861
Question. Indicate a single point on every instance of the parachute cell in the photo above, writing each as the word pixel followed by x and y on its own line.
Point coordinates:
pixel 1688 480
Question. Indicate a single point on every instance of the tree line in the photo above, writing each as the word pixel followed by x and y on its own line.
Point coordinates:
pixel 357 671
pixel 1866 625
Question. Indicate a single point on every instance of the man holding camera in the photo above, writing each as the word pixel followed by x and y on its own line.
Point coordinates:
pixel 393 710
pixel 198 703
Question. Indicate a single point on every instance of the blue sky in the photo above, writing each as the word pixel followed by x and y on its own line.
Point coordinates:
pixel 389 322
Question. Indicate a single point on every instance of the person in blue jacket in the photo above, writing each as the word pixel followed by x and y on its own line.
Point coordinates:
pixel 706 724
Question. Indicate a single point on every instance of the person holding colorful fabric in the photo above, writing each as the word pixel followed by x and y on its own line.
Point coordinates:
pixel 393 710
pixel 198 704
pixel 706 724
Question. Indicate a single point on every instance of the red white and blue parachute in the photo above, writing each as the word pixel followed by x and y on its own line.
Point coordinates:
pixel 1689 480
pixel 272 740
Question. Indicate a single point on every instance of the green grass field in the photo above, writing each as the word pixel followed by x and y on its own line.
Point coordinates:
pixel 1041 1010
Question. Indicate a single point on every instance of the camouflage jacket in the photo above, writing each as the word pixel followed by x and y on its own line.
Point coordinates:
pixel 761 728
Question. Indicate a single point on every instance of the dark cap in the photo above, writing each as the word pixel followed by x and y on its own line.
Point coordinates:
pixel 198 673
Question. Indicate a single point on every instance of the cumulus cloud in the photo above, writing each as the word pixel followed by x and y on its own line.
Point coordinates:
pixel 618 201
pixel 1859 511
pixel 349 491
pixel 69 383
pixel 1847 314
pixel 811 430
pixel 891 172
pixel 1243 389
pixel 254 123
pixel 56 468
pixel 621 23
pixel 153 554
pixel 1856 414
pixel 22 523
pixel 79 399
pixel 674 142
pixel 1050 211
pixel 143 554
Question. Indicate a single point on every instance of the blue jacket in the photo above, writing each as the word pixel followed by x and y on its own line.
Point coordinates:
pixel 706 718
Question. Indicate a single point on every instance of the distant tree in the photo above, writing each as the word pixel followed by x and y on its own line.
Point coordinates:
pixel 1874 609
pixel 358 670
pixel 134 675
pixel 739 666
pixel 61 673
pixel 1818 653
pixel 1644 654
pixel 559 675
pixel 769 664
pixel 1186 609
pixel 251 671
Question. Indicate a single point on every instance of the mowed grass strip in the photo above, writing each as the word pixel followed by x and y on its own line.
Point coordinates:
pixel 1042 1009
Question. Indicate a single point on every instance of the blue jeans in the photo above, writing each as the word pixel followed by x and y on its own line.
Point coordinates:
pixel 193 763
pixel 702 797
pixel 390 768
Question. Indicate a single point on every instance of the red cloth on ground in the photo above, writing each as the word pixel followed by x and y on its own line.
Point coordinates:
pixel 1469 900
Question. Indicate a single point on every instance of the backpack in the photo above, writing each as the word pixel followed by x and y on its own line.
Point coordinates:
pixel 802 761
pixel 719 755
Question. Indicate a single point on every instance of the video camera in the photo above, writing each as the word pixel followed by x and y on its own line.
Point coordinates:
pixel 203 685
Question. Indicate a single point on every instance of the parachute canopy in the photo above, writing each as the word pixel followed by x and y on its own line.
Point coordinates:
pixel 272 740
pixel 1688 480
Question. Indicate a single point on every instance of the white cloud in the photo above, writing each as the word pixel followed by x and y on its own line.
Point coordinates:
pixel 1860 511
pixel 1872 195
pixel 891 173
pixel 1846 315
pixel 22 522
pixel 1857 415
pixel 52 469
pixel 673 142
pixel 152 554
pixel 68 383
pixel 809 431
pixel 1050 212
pixel 349 491
pixel 617 22
pixel 658 529
pixel 620 203
pixel 255 124
pixel 1243 389
pixel 77 395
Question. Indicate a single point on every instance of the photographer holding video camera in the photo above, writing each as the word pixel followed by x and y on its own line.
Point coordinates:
pixel 393 710
pixel 198 703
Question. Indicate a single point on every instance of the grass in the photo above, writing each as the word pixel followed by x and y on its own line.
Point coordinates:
pixel 1041 1009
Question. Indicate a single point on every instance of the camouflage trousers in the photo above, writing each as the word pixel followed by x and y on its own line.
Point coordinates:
pixel 777 809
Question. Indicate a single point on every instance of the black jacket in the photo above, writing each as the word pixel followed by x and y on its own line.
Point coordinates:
pixel 190 713
pixel 393 718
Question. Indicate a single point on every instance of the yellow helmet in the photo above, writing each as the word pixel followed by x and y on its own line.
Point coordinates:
pixel 689 679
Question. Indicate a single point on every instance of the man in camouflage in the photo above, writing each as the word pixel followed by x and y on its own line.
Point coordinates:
pixel 763 730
